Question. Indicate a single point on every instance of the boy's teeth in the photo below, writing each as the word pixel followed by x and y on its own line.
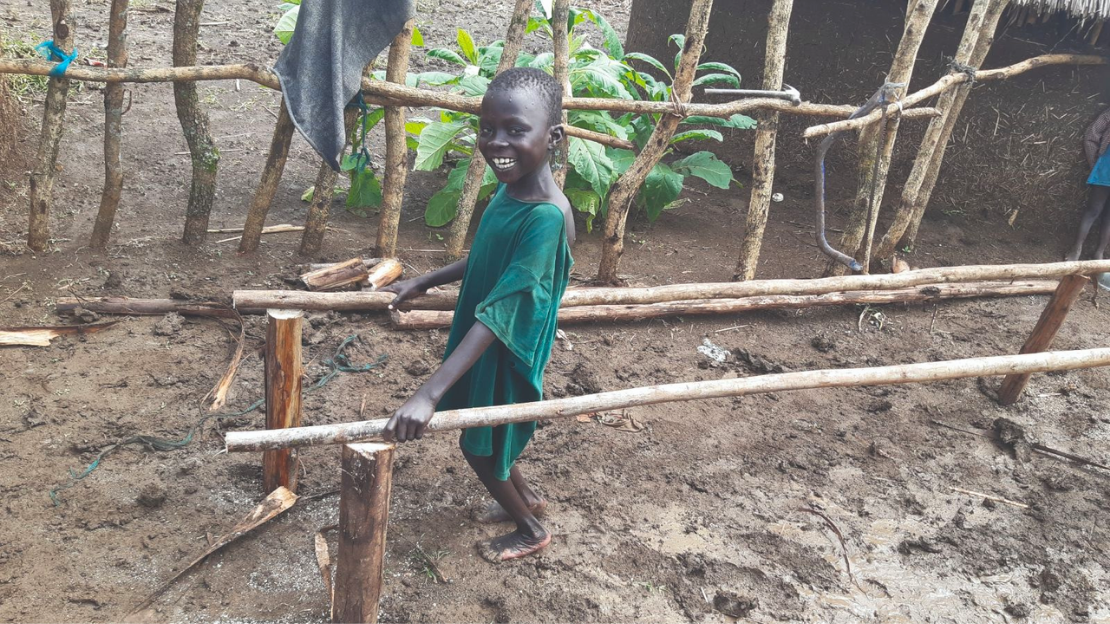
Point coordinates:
pixel 504 163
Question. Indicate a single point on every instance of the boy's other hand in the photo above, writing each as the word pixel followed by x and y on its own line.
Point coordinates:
pixel 410 422
pixel 405 290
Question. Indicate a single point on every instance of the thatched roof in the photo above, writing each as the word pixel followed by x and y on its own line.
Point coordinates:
pixel 1084 9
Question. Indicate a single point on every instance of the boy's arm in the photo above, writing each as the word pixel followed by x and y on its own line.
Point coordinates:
pixel 410 422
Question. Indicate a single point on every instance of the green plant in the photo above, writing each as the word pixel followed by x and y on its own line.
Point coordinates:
pixel 24 87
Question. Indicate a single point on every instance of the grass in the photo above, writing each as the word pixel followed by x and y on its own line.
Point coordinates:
pixel 21 47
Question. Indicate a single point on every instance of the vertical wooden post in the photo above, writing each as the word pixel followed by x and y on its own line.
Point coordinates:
pixel 560 13
pixel 203 154
pixel 396 147
pixel 1044 332
pixel 514 40
pixel 624 191
pixel 267 186
pixel 284 370
pixel 316 223
pixel 763 169
pixel 53 125
pixel 113 128
pixel 365 483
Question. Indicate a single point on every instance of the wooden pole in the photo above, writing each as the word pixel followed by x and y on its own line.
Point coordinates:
pixel 267 186
pixel 284 370
pixel 366 480
pixel 560 14
pixel 431 319
pixel 514 40
pixel 113 128
pixel 396 147
pixel 763 168
pixel 876 143
pixel 254 441
pixel 142 307
pixel 316 223
pixel 1044 333
pixel 194 123
pixel 625 189
pixel 53 125
pixel 255 301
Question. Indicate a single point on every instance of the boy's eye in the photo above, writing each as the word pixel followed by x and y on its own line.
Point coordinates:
pixel 485 131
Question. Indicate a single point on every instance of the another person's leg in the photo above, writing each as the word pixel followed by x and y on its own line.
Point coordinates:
pixel 530 536
pixel 1096 202
pixel 493 512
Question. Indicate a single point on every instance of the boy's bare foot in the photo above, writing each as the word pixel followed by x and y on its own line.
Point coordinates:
pixel 513 546
pixel 493 513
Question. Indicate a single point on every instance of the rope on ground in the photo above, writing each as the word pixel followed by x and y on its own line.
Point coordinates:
pixel 53 53
pixel 338 363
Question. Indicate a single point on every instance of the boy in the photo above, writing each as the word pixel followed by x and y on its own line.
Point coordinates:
pixel 1095 143
pixel 505 319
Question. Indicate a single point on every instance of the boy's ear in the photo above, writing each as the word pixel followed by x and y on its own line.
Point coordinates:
pixel 558 133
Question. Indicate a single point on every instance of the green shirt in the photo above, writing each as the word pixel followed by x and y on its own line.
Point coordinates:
pixel 516 274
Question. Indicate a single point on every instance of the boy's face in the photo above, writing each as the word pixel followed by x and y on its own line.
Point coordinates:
pixel 514 135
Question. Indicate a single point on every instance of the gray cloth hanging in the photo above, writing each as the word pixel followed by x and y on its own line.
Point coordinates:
pixel 321 67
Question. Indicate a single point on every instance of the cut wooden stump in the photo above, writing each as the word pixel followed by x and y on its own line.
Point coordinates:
pixel 383 274
pixel 336 276
pixel 366 480
pixel 284 370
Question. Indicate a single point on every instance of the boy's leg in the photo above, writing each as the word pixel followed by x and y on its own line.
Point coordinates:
pixel 1095 204
pixel 494 513
pixel 530 536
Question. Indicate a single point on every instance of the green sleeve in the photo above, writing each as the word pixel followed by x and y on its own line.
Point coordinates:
pixel 520 305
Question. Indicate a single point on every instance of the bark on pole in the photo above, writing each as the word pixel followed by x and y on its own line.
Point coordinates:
pixel 284 370
pixel 142 307
pixel 267 186
pixel 396 147
pixel 763 168
pixel 981 24
pixel 53 125
pixel 366 480
pixel 254 441
pixel 194 124
pixel 876 143
pixel 113 128
pixel 514 40
pixel 624 191
pixel 316 223
pixel 560 14
pixel 1044 333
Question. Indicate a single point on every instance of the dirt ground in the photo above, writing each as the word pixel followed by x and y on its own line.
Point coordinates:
pixel 701 515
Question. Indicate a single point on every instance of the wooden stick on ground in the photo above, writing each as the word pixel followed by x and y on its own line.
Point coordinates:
pixel 366 482
pixel 254 441
pixel 113 128
pixel 997 499
pixel 763 167
pixel 53 125
pixel 336 276
pixel 143 307
pixel 284 370
pixel 383 274
pixel 1044 332
pixel 514 40
pixel 223 386
pixel 267 186
pixel 41 336
pixel 625 189
pixel 396 147
pixel 194 124
pixel 270 229
pixel 429 319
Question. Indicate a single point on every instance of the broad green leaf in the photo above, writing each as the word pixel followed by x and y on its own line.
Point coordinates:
pixel 737 121
pixel 287 24
pixel 541 61
pixel 308 194
pixel 442 208
pixel 622 159
pixel 602 77
pixel 680 41
pixel 436 79
pixel 417 37
pixel 450 56
pixel 590 161
pixel 372 118
pixel 435 141
pixel 650 60
pixel 721 67
pixel 474 86
pixel 366 191
pixel 718 79
pixel 598 121
pixel 642 129
pixel 417 125
pixel 412 143
pixel 612 39
pixel 466 45
pixel 706 166
pixel 661 187
pixel 542 25
pixel 697 135
pixel 586 202
pixel 489 58
pixel 354 162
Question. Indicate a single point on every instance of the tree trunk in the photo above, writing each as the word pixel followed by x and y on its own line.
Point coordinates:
pixel 514 40
pixel 624 191
pixel 317 221
pixel 53 125
pixel 267 186
pixel 981 24
pixel 560 13
pixel 194 124
pixel 876 144
pixel 396 147
pixel 763 169
pixel 113 128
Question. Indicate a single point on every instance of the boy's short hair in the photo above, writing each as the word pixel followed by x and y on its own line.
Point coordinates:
pixel 529 78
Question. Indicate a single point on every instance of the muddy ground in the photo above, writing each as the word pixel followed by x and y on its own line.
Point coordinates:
pixel 697 516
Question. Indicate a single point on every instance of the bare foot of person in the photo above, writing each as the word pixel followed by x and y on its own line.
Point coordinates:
pixel 493 513
pixel 514 546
